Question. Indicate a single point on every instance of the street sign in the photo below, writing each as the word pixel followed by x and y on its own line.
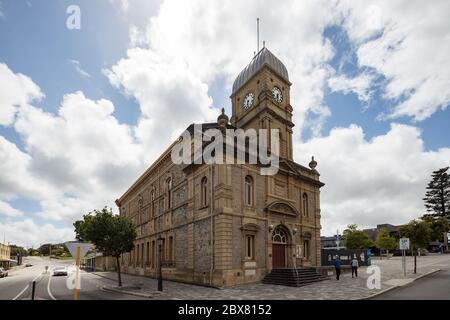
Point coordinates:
pixel 404 244
pixel 73 245
pixel 77 250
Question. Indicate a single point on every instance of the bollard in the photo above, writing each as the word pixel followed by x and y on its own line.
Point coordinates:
pixel 33 289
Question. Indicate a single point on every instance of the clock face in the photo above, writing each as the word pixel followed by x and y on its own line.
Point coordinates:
pixel 248 101
pixel 277 94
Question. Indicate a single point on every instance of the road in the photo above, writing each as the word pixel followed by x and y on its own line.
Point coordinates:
pixel 433 287
pixel 48 287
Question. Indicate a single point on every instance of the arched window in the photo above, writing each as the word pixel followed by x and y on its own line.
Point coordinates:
pixel 305 204
pixel 204 192
pixel 169 193
pixel 248 191
pixel 279 236
pixel 153 203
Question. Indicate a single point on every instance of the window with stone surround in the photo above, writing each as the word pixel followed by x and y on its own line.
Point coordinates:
pixel 306 249
pixel 250 247
pixel 169 193
pixel 248 191
pixel 305 204
pixel 153 203
pixel 204 192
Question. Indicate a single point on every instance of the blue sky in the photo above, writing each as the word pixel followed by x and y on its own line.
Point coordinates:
pixel 35 42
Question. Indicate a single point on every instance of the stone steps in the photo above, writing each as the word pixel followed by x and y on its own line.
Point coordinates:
pixel 293 277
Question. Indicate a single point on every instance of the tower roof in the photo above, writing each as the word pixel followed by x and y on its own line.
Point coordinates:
pixel 263 58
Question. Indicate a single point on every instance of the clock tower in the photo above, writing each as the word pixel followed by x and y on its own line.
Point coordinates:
pixel 261 99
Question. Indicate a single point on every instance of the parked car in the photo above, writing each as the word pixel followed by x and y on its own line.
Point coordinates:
pixel 28 265
pixel 60 271
pixel 3 273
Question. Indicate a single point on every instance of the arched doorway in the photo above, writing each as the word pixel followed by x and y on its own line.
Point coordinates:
pixel 279 245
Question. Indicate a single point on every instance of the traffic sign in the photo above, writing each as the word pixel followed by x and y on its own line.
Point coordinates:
pixel 404 244
pixel 73 245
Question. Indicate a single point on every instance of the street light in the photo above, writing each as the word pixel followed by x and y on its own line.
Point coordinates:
pixel 160 280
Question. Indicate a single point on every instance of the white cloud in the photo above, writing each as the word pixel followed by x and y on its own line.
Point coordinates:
pixel 360 85
pixel 79 69
pixel 407 43
pixel 370 182
pixel 7 210
pixel 28 233
pixel 17 90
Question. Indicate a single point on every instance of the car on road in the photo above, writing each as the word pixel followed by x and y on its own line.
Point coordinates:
pixel 60 271
pixel 3 273
pixel 28 265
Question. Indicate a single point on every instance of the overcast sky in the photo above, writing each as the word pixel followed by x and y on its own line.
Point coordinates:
pixel 84 112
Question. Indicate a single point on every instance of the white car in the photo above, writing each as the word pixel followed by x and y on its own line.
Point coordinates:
pixel 60 271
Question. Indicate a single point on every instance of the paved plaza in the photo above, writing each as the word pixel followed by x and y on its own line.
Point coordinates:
pixel 346 288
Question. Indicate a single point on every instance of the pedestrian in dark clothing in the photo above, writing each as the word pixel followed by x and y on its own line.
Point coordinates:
pixel 355 265
pixel 337 266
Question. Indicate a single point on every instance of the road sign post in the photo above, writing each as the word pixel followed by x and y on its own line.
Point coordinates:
pixel 77 250
pixel 404 245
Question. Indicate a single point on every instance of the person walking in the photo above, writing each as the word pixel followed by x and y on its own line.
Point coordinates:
pixel 337 266
pixel 355 265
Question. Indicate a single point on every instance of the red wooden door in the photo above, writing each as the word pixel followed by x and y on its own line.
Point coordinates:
pixel 278 255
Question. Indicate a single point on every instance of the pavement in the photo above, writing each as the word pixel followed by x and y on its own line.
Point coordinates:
pixel 103 285
pixel 347 288
pixel 434 287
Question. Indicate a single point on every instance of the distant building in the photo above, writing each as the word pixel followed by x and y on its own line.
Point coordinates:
pixel 330 243
pixel 393 230
pixel 95 261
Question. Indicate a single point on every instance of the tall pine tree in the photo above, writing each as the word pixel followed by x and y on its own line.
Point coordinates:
pixel 437 197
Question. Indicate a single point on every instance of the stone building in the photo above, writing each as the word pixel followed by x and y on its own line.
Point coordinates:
pixel 5 256
pixel 226 224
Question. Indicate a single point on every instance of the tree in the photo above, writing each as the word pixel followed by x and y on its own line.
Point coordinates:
pixel 419 234
pixel 385 241
pixel 111 234
pixel 438 225
pixel 356 239
pixel 437 197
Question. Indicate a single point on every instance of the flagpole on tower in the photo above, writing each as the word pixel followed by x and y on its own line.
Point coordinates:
pixel 257 34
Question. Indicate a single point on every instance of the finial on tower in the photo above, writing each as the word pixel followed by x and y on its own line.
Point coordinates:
pixel 313 164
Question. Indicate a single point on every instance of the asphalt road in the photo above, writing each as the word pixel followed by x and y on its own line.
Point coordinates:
pixel 433 287
pixel 17 286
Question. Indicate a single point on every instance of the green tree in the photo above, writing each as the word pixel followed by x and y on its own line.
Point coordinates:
pixel 385 241
pixel 111 234
pixel 437 196
pixel 419 234
pixel 438 225
pixel 356 239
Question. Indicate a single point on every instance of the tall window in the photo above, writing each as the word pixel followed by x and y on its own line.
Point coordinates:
pixel 250 247
pixel 153 253
pixel 142 256
pixel 136 256
pixel 147 262
pixel 204 192
pixel 248 191
pixel 153 203
pixel 171 248
pixel 169 193
pixel 305 204
pixel 306 249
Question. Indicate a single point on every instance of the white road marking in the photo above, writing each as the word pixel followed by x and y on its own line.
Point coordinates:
pixel 24 289
pixel 48 287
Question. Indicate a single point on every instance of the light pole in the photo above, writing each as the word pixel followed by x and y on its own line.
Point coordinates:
pixel 160 280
